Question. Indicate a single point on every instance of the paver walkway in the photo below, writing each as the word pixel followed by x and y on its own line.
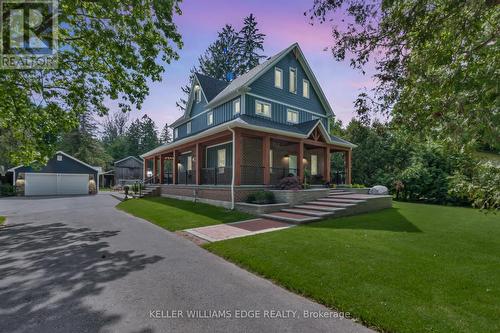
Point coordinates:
pixel 220 232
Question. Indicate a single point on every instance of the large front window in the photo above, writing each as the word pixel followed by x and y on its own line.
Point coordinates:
pixel 314 165
pixel 262 109
pixel 292 164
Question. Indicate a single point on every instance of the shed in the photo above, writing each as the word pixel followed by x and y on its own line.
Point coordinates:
pixel 128 170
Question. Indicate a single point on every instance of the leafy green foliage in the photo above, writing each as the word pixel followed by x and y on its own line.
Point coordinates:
pixel 107 49
pixel 436 64
pixel 261 197
pixel 482 188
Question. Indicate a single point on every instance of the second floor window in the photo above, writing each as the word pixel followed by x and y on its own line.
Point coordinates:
pixel 197 93
pixel 293 80
pixel 278 78
pixel 188 128
pixel 210 118
pixel 236 106
pixel 176 133
pixel 292 116
pixel 305 88
pixel 262 109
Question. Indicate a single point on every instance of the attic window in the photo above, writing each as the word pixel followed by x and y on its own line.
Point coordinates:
pixel 197 93
pixel 236 106
pixel 59 158
pixel 293 80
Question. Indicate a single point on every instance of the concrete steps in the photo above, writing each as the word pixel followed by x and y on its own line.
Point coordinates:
pixel 337 203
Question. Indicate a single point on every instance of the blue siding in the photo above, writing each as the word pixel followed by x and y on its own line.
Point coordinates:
pixel 211 155
pixel 278 111
pixel 264 86
pixel 198 107
pixel 222 114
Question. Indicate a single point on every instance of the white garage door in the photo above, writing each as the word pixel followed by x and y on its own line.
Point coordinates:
pixel 56 184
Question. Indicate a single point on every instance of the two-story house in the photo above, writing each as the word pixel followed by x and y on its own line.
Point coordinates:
pixel 249 133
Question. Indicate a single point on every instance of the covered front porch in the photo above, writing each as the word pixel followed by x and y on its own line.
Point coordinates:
pixel 260 159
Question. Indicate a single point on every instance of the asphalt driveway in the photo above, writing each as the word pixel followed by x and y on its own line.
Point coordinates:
pixel 79 265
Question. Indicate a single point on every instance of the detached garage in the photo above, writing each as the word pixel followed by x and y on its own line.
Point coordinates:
pixel 63 175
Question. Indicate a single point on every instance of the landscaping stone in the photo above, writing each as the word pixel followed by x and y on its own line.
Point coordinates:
pixel 378 190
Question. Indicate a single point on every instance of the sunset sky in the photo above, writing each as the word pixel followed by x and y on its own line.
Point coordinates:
pixel 283 22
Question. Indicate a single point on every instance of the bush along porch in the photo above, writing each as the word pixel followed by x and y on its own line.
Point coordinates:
pixel 240 137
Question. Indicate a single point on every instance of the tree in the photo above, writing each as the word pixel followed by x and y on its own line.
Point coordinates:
pixel 107 49
pixel 250 42
pixel 142 136
pixel 436 64
pixel 166 135
pixel 114 126
pixel 220 60
pixel 83 144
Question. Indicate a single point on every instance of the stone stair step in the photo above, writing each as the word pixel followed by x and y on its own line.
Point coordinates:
pixel 307 212
pixel 338 194
pixel 333 204
pixel 318 207
pixel 290 217
pixel 345 200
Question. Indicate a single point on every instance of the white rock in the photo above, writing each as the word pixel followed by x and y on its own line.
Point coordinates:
pixel 379 190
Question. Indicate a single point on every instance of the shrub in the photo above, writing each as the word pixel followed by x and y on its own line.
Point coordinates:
pixel 261 198
pixel 92 187
pixel 358 186
pixel 482 190
pixel 7 190
pixel 289 183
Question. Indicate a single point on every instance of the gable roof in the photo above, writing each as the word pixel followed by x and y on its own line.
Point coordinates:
pixel 128 157
pixel 242 83
pixel 210 88
pixel 59 152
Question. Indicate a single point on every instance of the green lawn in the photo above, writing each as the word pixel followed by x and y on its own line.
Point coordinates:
pixel 412 268
pixel 2 220
pixel 175 215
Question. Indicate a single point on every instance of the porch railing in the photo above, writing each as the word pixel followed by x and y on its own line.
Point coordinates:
pixel 168 178
pixel 216 176
pixel 186 177
pixel 276 174
pixel 338 177
pixel 252 175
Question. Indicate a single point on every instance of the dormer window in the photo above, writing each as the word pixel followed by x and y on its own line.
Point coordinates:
pixel 236 106
pixel 188 128
pixel 197 93
pixel 292 116
pixel 293 80
pixel 210 118
pixel 176 133
pixel 278 77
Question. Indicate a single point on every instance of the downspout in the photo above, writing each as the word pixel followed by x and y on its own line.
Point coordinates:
pixel 233 168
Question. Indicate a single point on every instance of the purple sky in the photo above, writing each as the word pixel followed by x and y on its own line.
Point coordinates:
pixel 283 23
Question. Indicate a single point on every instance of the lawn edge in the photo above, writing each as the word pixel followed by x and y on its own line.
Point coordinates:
pixel 278 283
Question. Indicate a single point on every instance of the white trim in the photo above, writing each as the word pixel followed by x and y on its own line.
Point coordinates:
pixel 290 76
pixel 287 105
pixel 276 68
pixel 270 115
pixel 186 152
pixel 308 88
pixel 292 111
